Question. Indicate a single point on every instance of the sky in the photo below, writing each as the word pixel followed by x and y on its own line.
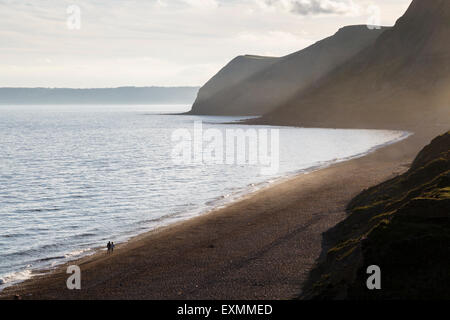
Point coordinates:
pixel 111 43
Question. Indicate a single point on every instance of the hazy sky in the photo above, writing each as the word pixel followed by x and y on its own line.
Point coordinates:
pixel 161 42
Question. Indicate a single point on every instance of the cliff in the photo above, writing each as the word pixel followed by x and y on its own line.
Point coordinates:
pixel 251 85
pixel 401 80
pixel 402 226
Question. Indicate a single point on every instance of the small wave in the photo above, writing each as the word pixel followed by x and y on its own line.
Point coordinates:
pixel 76 253
pixel 217 200
pixel 14 277
pixel 12 235
pixel 51 258
pixel 37 210
pixel 83 235
pixel 30 252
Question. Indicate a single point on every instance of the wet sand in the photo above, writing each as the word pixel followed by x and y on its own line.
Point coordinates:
pixel 261 247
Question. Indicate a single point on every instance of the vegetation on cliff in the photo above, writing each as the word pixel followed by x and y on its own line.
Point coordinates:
pixel 402 226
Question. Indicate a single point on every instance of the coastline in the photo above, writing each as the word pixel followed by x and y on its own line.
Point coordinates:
pixel 249 211
pixel 48 264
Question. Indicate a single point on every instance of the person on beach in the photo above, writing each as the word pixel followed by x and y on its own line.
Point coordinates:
pixel 108 246
pixel 112 247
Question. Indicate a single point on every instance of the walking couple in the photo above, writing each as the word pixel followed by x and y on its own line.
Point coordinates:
pixel 110 246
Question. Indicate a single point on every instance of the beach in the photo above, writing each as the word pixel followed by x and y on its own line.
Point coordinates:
pixel 261 247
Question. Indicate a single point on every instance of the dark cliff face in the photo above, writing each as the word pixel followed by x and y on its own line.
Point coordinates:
pixel 402 80
pixel 402 226
pixel 251 85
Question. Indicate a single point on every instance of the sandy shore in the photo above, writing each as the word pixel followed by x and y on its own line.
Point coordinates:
pixel 261 247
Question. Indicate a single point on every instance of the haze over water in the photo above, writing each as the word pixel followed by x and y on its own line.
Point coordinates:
pixel 74 177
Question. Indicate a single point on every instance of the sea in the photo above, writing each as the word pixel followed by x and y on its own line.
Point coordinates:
pixel 73 177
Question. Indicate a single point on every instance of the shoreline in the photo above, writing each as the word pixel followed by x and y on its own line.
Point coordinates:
pixel 46 286
pixel 219 203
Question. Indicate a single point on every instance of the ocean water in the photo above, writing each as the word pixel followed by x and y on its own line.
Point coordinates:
pixel 74 177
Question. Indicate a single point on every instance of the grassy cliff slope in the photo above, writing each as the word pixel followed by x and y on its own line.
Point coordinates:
pixel 403 226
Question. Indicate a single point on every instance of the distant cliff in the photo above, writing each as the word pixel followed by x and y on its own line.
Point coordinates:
pixel 402 226
pixel 253 85
pixel 401 80
pixel 237 70
pixel 123 95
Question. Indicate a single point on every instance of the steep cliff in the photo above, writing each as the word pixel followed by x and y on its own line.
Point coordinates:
pixel 251 85
pixel 401 80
